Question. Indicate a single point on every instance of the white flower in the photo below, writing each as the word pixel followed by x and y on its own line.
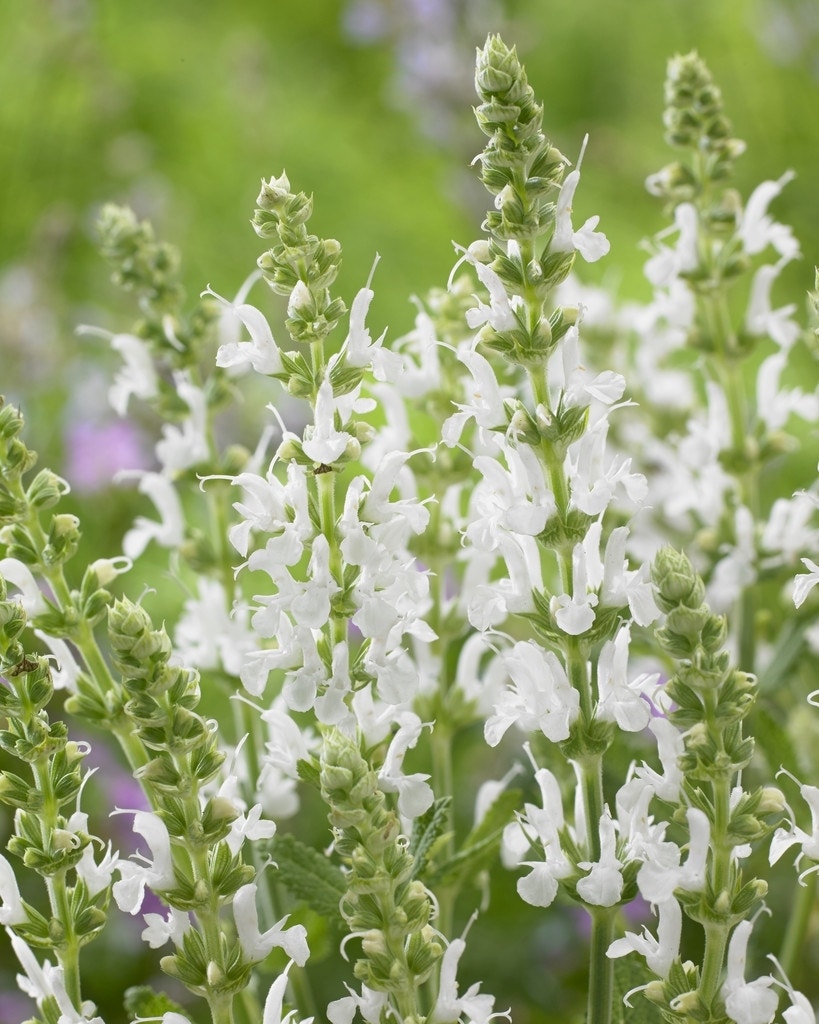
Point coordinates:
pixel 473 1007
pixel 572 384
pixel 659 953
pixel 20 576
pixel 208 634
pixel 359 348
pixel 662 872
pixel 255 944
pixel 11 910
pixel 370 1004
pixel 589 243
pixel 665 266
pixel 249 826
pixel 261 352
pixel 488 603
pixel 272 507
pixel 41 983
pixel 414 793
pixel 274 1003
pixel 575 614
pixel 97 877
pixel 137 376
pixel 540 886
pixel 757 230
pixel 775 403
pixel 617 584
pixel 486 406
pixel 500 313
pixel 760 319
pixel 603 885
pixel 169 530
pixel 183 446
pixel 621 700
pixel 752 1002
pixel 805 582
pixel 593 482
pixel 670 748
pixel 160 930
pixel 158 873
pixel 516 500
pixel 322 442
pixel 736 570
pixel 540 696
pixel 784 838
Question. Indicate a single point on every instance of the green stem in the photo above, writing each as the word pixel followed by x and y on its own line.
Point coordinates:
pixel 720 882
pixel 326 485
pixel 601 968
pixel 442 773
pixel 97 669
pixel 793 945
pixel 68 948
pixel 716 939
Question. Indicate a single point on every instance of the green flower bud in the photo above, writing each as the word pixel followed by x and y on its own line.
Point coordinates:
pixel 18 458
pixel 687 1003
pixel 46 489
pixel 13 621
pixel 274 193
pixel 688 622
pixel 675 580
pixel 12 508
pixel 771 800
pixel 11 421
pixel 63 539
pixel 137 647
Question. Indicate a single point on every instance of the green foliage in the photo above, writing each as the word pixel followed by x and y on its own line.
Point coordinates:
pixel 309 876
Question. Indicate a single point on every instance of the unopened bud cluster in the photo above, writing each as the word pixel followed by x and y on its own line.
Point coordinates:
pixel 182 756
pixel 384 903
pixel 712 699
pixel 46 838
pixel 299 265
pixel 694 119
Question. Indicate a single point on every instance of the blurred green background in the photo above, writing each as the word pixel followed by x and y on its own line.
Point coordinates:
pixel 179 107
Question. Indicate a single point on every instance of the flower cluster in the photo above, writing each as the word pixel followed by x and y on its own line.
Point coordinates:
pixel 458 549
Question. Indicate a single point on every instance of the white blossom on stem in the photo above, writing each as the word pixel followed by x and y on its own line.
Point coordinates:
pixel 626 702
pixel 261 352
pixel 591 244
pixel 169 530
pixel 256 944
pixel 746 1002
pixel 660 952
pixel 139 871
pixel 539 697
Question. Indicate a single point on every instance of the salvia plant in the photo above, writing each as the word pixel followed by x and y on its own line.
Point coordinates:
pixel 525 594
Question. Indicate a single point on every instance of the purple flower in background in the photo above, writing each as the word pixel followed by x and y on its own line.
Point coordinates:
pixel 14 1006
pixel 96 451
pixel 365 21
pixel 432 70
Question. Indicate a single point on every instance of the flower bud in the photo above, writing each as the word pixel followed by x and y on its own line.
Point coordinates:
pixel 675 579
pixel 771 800
pixel 274 193
pixel 46 489
pixel 106 570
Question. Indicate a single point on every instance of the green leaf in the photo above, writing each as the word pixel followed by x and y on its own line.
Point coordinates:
pixel 482 843
pixel 775 743
pixel 345 379
pixel 309 876
pixel 426 829
pixel 142 1001
pixel 629 973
